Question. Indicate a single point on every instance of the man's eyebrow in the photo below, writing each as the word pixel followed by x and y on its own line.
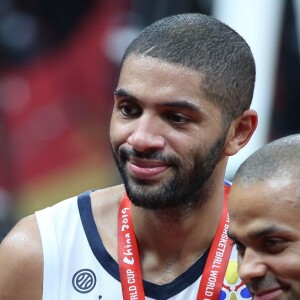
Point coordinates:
pixel 180 104
pixel 266 231
pixel 124 93
pixel 175 104
pixel 259 233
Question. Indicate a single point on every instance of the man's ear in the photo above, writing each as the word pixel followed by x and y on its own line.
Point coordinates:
pixel 240 132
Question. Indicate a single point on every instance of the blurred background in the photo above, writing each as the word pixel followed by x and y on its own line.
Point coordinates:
pixel 59 62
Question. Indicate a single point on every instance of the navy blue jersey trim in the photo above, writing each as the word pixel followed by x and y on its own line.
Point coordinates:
pixel 166 291
pixel 93 237
pixel 159 292
pixel 226 182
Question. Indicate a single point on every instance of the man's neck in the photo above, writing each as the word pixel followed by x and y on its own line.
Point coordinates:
pixel 171 240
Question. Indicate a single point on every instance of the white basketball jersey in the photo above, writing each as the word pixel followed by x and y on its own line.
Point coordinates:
pixel 78 267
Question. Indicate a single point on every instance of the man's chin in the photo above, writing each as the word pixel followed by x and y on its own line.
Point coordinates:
pixel 146 195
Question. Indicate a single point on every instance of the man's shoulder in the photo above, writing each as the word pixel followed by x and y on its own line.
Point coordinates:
pixel 21 258
pixel 23 240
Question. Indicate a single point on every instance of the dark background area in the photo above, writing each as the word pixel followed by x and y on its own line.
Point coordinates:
pixel 58 68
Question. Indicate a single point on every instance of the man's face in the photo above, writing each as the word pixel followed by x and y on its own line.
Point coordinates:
pixel 265 224
pixel 166 138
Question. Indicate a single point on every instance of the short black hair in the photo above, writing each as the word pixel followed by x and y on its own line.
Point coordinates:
pixel 280 158
pixel 216 51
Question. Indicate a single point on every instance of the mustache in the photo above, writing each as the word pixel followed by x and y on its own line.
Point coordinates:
pixel 259 284
pixel 125 153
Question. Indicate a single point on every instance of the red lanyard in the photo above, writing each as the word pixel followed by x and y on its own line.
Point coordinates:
pixel 129 261
pixel 128 254
pixel 218 257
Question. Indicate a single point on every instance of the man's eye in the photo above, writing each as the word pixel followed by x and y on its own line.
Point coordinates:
pixel 274 244
pixel 177 118
pixel 129 110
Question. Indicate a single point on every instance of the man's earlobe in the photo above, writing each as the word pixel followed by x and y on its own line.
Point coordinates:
pixel 240 132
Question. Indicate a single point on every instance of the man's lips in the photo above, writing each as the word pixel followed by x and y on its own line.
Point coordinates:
pixel 146 169
pixel 268 294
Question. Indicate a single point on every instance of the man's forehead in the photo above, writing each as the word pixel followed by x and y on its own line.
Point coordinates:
pixel 266 196
pixel 149 62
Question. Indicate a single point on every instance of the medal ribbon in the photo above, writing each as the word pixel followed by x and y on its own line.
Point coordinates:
pixel 129 260
pixel 128 254
pixel 218 257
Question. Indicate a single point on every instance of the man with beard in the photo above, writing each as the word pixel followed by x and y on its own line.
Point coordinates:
pixel 264 209
pixel 181 108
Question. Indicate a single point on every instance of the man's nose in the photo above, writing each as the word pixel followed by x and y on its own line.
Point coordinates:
pixel 146 135
pixel 251 265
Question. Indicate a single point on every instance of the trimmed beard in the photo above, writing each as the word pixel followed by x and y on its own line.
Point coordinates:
pixel 190 185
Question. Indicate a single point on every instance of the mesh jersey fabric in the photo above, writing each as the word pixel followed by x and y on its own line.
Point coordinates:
pixel 77 265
